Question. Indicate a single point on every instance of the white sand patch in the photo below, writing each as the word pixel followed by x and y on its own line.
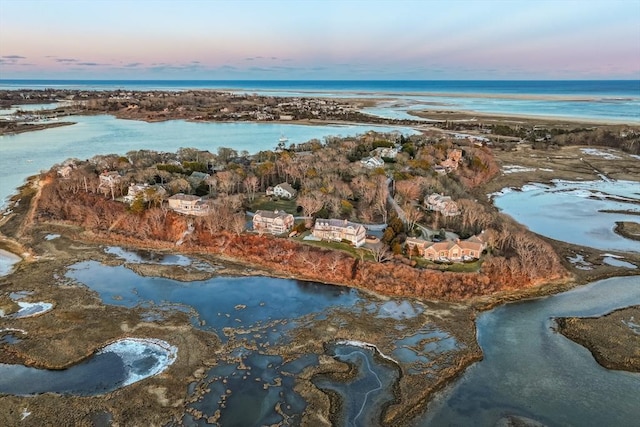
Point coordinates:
pixel 635 328
pixel 600 153
pixel 24 414
pixel 29 309
pixel 508 169
pixel 579 262
pixel 7 261
pixel 500 193
pixel 611 255
pixel 158 355
pixel 533 187
pixel 363 344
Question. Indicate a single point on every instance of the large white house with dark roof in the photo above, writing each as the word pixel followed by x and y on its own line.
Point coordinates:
pixel 338 230
pixel 274 222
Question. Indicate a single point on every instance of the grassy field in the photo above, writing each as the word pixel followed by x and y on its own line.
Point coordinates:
pixel 336 246
pixel 267 203
pixel 458 267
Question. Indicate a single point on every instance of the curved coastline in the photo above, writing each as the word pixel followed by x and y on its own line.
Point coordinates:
pixel 481 303
pixel 613 338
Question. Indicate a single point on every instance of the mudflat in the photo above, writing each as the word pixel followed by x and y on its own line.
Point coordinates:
pixel 613 339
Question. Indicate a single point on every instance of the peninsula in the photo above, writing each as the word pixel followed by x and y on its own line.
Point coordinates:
pixel 395 215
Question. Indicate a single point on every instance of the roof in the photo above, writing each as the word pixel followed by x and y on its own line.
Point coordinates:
pixel 271 214
pixel 198 175
pixel 338 223
pixel 288 188
pixel 186 197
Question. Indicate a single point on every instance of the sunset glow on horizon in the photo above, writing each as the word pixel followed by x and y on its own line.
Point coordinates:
pixel 319 39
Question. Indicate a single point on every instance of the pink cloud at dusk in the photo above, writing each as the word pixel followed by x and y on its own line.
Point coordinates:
pixel 320 39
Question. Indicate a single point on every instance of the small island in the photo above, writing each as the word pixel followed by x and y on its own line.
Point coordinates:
pixel 628 229
pixel 613 339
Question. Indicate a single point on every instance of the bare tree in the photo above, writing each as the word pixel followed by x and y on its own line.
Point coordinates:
pixel 407 190
pixel 310 205
pixel 226 181
pixel 251 186
pixel 381 253
pixel 412 215
pixel 212 182
pixel 179 185
pixel 381 197
pixel 238 223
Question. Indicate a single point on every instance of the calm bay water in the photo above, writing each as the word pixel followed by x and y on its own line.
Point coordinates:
pixel 572 211
pixel 28 153
pixel 529 370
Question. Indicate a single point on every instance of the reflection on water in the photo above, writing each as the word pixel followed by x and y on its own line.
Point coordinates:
pixel 119 364
pixel 28 153
pixel 532 371
pixel 417 351
pixel 143 256
pixel 365 394
pixel 7 261
pixel 525 361
pixel 618 262
pixel 219 303
pixel 253 316
pixel 572 211
pixel 247 391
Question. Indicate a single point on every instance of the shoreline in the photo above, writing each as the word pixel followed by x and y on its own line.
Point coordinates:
pixel 28 127
pixel 447 378
pixel 613 339
pixel 472 304
pixel 479 116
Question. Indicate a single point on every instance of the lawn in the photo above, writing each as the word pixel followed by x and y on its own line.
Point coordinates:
pixel 336 246
pixel 457 267
pixel 267 203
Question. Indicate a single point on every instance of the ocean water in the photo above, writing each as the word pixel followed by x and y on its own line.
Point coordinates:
pixel 525 87
pixel 607 100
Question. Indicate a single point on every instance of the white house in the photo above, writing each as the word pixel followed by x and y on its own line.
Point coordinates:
pixel 274 222
pixel 188 204
pixel 135 189
pixel 339 230
pixel 372 162
pixel 283 190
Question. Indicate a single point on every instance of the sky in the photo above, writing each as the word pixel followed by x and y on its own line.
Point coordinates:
pixel 324 40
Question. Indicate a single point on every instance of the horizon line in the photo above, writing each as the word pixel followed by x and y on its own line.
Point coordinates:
pixel 319 80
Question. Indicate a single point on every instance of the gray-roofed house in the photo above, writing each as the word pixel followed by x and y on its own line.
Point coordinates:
pixel 188 204
pixel 339 230
pixel 274 222
pixel 284 190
